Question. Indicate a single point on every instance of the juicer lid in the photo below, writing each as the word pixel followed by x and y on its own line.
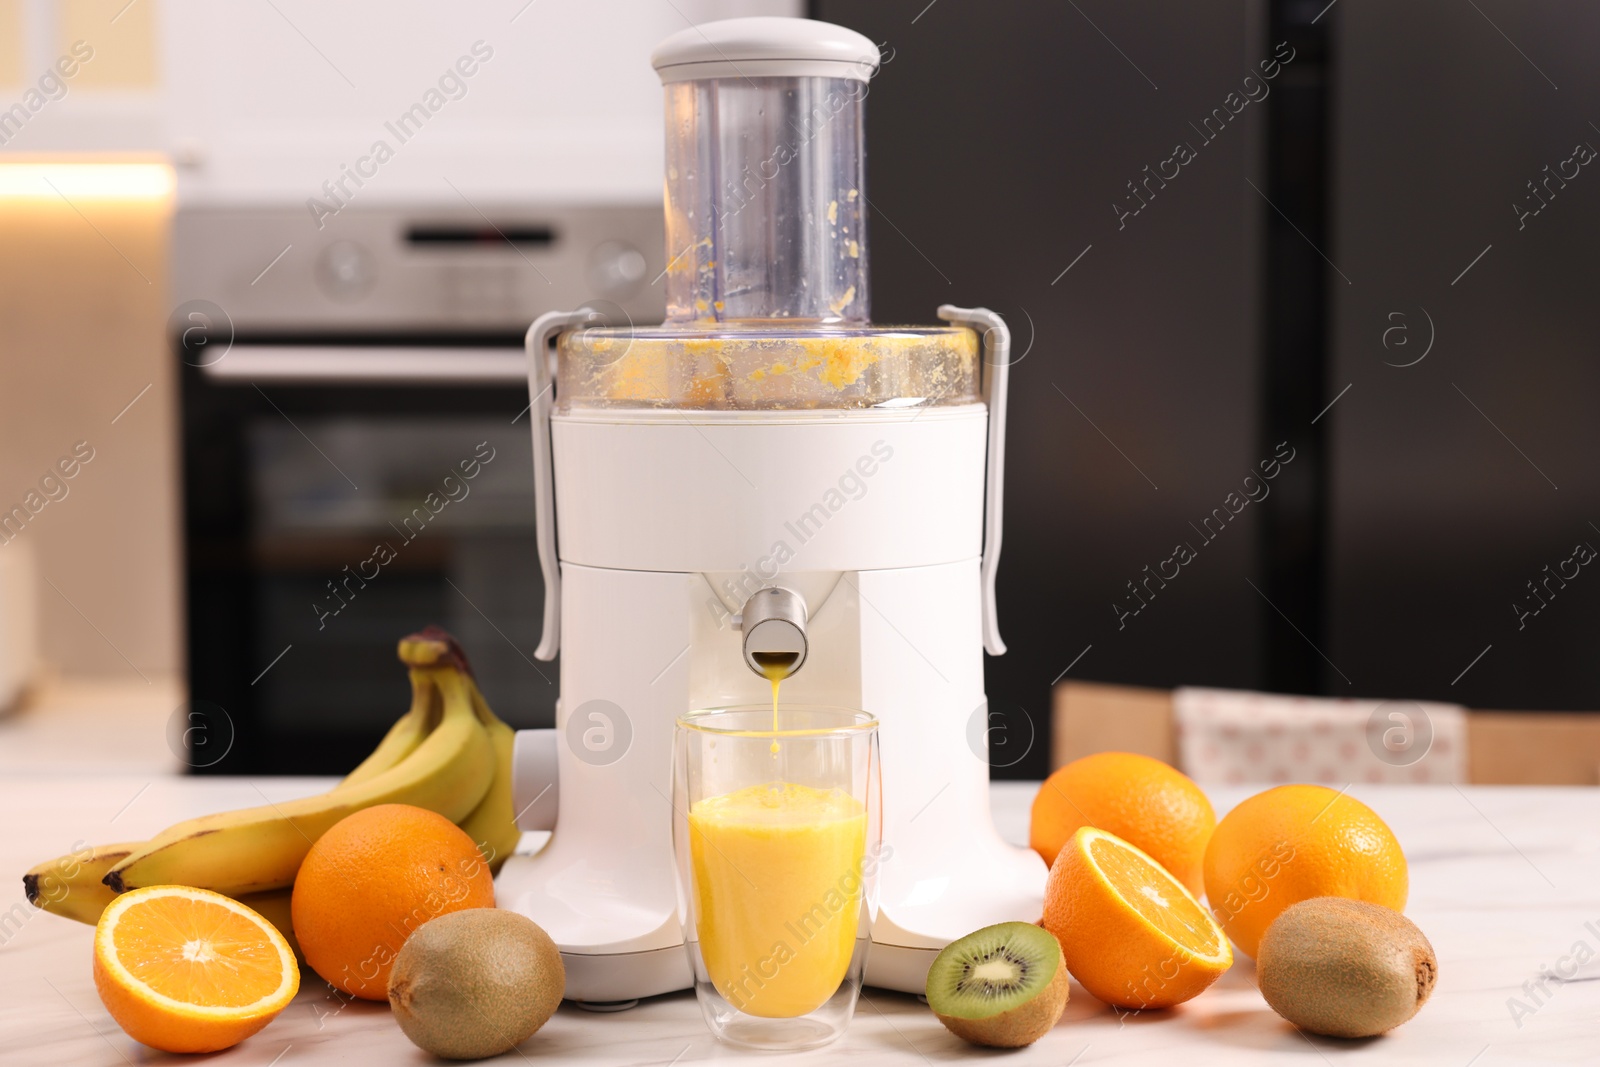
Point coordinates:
pixel 765 47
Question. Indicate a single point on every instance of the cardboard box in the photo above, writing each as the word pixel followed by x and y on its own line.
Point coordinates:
pixel 1503 747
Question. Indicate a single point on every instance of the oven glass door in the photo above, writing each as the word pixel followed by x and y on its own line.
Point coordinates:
pixel 329 516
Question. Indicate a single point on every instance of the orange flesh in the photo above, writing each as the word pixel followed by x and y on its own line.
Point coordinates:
pixel 197 952
pixel 1151 891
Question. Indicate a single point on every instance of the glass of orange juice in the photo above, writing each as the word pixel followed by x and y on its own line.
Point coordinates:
pixel 777 831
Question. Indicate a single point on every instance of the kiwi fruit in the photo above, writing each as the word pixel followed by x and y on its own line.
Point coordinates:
pixel 1345 968
pixel 1002 986
pixel 475 983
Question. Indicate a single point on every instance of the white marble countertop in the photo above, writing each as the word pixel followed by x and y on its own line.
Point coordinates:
pixel 1503 881
pixel 77 726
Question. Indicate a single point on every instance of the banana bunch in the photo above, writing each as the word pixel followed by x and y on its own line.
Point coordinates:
pixel 73 886
pixel 448 753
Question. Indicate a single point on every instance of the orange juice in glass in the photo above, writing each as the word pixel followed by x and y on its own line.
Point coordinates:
pixel 777 839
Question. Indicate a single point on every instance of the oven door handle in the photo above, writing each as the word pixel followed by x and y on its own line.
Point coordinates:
pixel 368 365
pixel 541 389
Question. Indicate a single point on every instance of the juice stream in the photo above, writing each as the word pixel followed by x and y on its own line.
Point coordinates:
pixel 776 666
pixel 775 680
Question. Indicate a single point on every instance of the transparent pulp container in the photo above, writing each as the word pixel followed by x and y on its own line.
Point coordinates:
pixel 766 279
pixel 733 366
pixel 776 832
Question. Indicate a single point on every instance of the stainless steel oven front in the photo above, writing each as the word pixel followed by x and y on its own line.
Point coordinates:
pixel 357 462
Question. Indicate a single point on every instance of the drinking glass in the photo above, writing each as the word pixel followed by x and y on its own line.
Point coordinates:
pixel 777 832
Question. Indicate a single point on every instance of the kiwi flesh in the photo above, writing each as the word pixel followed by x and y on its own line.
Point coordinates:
pixel 1345 968
pixel 1002 986
pixel 475 983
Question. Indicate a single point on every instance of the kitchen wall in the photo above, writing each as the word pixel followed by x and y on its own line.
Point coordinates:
pixel 1003 141
pixel 82 300
pixel 82 305
pixel 84 375
pixel 1449 234
pixel 1464 489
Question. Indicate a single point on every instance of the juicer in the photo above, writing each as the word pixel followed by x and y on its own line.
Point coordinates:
pixel 764 478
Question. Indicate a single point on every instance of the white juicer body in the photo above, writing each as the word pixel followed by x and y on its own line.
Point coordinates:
pixel 684 479
pixel 668 521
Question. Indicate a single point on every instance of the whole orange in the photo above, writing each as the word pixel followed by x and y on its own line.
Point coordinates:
pixel 1293 843
pixel 371 880
pixel 1149 804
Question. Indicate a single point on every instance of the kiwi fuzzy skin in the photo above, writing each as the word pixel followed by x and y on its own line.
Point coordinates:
pixel 1345 968
pixel 472 984
pixel 1021 1025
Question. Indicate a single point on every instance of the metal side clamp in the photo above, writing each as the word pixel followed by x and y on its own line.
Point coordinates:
pixel 541 387
pixel 996 355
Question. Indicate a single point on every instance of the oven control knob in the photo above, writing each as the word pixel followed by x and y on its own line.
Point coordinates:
pixel 617 269
pixel 346 271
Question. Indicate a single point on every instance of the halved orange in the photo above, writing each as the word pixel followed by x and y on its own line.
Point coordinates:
pixel 189 970
pixel 1131 933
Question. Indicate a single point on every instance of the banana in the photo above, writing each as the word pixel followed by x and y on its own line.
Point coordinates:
pixel 261 848
pixel 71 885
pixel 423 649
pixel 402 739
pixel 252 855
pixel 492 824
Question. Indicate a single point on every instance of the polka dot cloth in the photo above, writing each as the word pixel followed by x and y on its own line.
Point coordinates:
pixel 1228 737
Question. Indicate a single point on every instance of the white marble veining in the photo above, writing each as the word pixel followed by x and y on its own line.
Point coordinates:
pixel 1503 881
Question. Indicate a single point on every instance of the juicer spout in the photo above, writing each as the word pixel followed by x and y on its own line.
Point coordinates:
pixel 774 625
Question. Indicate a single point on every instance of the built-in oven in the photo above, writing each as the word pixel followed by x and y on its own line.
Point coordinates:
pixel 357 461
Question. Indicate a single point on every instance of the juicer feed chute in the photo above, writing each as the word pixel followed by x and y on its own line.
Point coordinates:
pixel 766 279
pixel 764 193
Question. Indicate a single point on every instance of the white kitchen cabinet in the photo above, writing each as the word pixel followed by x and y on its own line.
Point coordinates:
pixel 268 99
pixel 548 100
pixel 79 76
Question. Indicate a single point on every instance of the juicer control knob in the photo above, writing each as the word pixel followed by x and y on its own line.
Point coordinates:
pixel 534 793
pixel 774 625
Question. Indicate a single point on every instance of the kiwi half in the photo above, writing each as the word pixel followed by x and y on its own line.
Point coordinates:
pixel 1003 985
